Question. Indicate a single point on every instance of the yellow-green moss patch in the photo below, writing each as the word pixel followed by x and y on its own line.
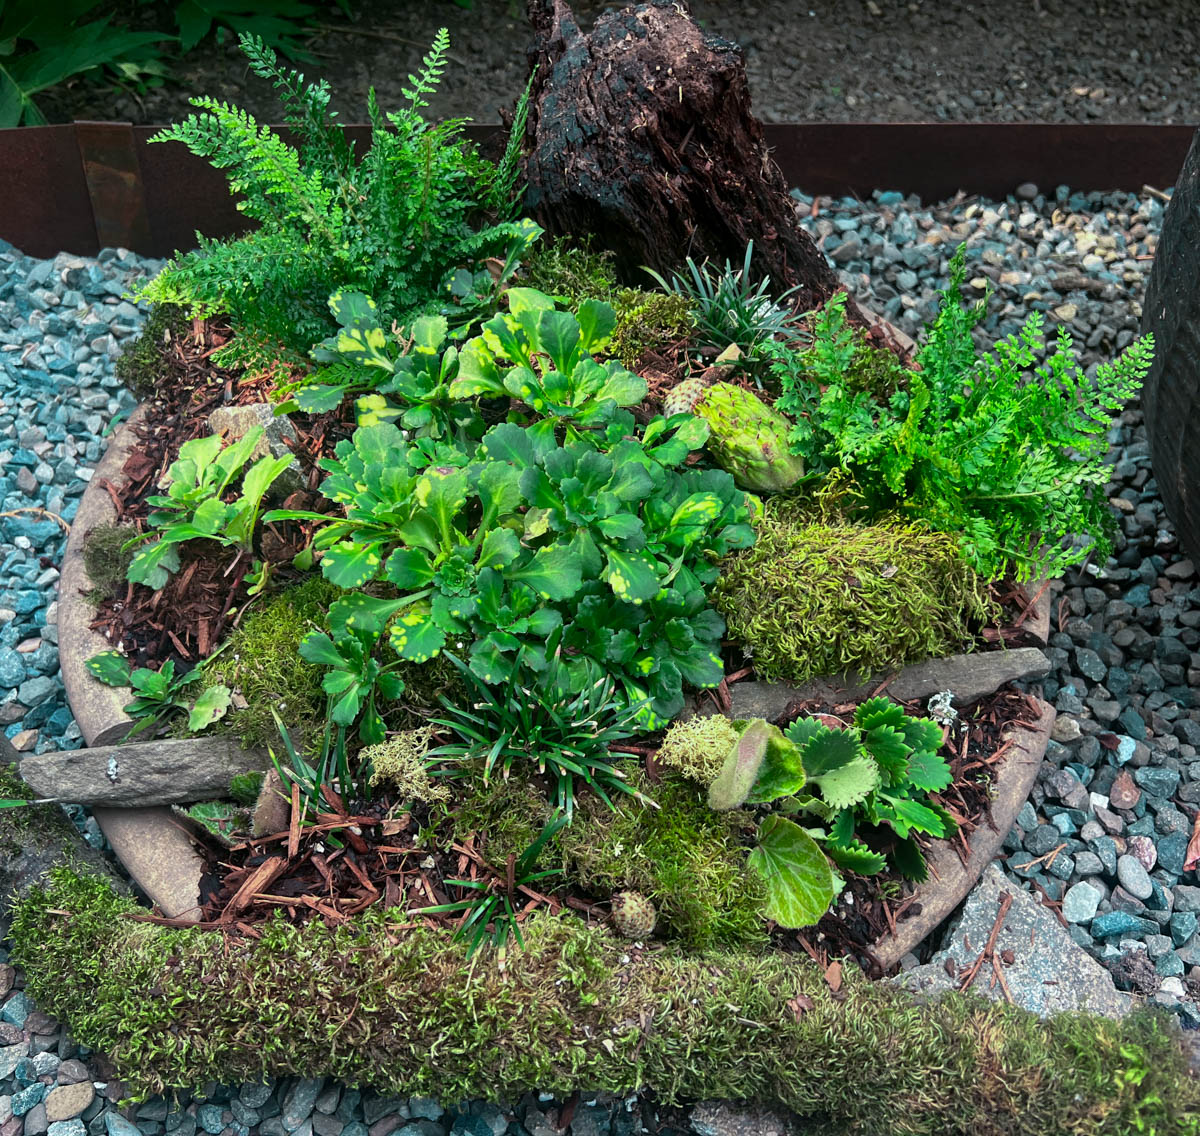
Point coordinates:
pixel 818 596
pixel 407 1012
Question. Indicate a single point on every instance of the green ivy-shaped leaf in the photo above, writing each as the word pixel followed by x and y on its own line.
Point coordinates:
pixel 800 884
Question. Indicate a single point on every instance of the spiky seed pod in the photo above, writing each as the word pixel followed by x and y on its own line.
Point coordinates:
pixel 748 439
pixel 633 915
pixel 683 396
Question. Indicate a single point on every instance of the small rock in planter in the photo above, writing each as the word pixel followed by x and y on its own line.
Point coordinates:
pixel 236 421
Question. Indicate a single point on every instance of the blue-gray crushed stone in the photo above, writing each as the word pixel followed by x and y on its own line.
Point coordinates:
pixel 1124 660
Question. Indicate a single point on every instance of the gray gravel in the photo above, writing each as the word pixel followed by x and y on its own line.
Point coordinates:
pixel 1108 817
pixel 819 61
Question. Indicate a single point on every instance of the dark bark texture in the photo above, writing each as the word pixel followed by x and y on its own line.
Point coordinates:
pixel 1171 396
pixel 640 132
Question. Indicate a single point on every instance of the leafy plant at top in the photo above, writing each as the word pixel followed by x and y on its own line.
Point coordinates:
pixel 490 915
pixel 600 535
pixel 409 382
pixel 1006 449
pixel 553 369
pixel 392 224
pixel 193 506
pixel 727 308
pixel 275 22
pixel 160 694
pixel 44 44
pixel 535 721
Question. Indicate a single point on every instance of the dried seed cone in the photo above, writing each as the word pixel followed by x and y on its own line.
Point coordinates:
pixel 749 439
pixel 633 915
pixel 682 397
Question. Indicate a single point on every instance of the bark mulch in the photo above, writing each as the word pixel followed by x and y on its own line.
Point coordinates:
pixel 186 620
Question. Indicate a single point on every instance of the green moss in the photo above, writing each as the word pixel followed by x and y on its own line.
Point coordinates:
pixel 571 271
pixel 17 823
pixel 176 1008
pixel 506 817
pixel 689 860
pixel 261 662
pixel 648 321
pixel 818 596
pixel 143 364
pixel 106 560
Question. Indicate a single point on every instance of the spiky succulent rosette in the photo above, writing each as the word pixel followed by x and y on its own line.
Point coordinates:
pixel 748 438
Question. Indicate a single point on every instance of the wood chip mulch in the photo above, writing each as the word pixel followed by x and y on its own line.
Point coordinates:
pixel 186 620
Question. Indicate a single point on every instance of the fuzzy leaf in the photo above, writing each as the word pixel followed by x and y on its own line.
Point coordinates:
pixel 848 784
pixel 781 773
pixel 738 774
pixel 799 881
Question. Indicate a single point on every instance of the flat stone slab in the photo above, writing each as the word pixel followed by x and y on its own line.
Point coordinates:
pixel 1050 973
pixel 157 772
pixel 968 677
pixel 98 708
pixel 157 852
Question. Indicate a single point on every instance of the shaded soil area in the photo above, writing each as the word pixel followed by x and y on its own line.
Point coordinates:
pixel 819 61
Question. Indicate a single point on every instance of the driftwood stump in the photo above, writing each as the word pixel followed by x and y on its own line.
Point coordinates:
pixel 640 132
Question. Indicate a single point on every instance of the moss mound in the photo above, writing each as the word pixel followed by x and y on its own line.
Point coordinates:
pixel 261 662
pixel 106 560
pixel 143 365
pixel 570 270
pixel 648 321
pixel 818 595
pixel 407 1012
pixel 687 859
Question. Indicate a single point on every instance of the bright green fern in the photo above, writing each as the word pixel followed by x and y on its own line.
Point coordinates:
pixel 393 225
pixel 1005 449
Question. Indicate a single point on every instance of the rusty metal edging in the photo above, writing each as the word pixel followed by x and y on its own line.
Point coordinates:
pixel 116 189
pixel 83 186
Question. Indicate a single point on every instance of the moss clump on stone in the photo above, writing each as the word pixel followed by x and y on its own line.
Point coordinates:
pixel 261 662
pixel 648 321
pixel 106 560
pixel 570 270
pixel 817 595
pixel 698 747
pixel 687 859
pixel 143 364
pixel 579 1009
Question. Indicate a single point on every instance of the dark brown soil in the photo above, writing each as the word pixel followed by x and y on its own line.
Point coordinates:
pixel 817 61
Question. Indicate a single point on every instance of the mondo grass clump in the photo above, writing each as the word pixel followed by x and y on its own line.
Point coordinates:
pixel 370 1003
pixel 821 595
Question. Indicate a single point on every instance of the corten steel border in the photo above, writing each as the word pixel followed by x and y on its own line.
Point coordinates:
pixel 80 187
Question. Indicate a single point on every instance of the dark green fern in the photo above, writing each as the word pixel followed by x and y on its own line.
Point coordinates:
pixel 1005 449
pixel 393 225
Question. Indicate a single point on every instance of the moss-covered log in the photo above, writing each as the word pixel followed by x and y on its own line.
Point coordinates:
pixel 409 1013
